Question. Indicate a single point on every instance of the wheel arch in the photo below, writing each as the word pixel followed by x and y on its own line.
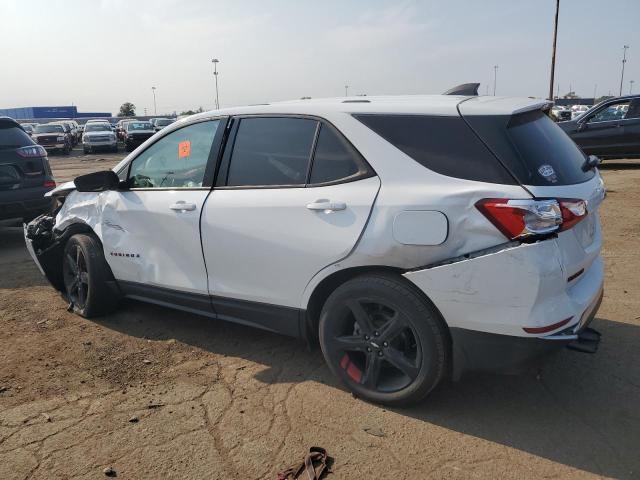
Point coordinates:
pixel 331 282
pixel 50 258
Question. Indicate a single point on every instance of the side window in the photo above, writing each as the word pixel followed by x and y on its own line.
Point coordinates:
pixel 444 144
pixel 634 109
pixel 178 160
pixel 334 158
pixel 615 111
pixel 271 151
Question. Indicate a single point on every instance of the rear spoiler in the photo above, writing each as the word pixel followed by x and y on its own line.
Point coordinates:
pixel 467 89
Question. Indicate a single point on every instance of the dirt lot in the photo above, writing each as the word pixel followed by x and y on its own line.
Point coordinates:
pixel 156 393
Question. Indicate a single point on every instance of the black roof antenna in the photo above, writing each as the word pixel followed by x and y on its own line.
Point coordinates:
pixel 464 89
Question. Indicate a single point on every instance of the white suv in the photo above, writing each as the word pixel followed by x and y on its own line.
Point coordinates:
pixel 416 237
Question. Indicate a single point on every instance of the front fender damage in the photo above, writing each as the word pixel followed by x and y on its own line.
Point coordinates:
pixel 46 245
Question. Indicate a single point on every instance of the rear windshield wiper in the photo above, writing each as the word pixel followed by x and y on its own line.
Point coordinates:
pixel 590 163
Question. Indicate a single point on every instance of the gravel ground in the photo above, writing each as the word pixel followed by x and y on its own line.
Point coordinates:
pixel 155 393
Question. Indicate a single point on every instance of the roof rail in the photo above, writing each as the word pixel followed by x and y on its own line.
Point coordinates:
pixel 469 89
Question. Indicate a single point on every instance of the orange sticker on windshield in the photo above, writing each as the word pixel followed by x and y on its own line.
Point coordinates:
pixel 184 149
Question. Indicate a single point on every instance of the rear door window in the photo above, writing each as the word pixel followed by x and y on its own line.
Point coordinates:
pixel 334 158
pixel 271 151
pixel 444 144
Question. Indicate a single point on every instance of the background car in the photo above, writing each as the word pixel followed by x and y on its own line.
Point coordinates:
pixel 560 113
pixel 578 110
pixel 136 133
pixel 53 137
pixel 611 129
pixel 160 123
pixel 120 128
pixel 25 174
pixel 99 136
pixel 27 128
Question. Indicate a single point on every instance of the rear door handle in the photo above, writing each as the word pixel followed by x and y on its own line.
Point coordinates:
pixel 326 206
pixel 181 206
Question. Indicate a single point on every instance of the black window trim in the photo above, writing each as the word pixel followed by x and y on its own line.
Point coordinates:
pixel 212 161
pixel 364 168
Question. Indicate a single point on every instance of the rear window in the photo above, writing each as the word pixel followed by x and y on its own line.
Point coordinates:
pixel 550 156
pixel 49 129
pixel 138 126
pixel 534 148
pixel 444 144
pixel 13 137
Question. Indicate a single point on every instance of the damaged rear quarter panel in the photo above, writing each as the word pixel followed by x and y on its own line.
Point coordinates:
pixel 497 292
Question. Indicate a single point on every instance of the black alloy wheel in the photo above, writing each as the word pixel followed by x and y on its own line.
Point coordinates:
pixel 384 340
pixel 76 276
pixel 89 285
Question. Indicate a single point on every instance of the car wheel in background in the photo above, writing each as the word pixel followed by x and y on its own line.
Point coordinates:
pixel 67 149
pixel 114 149
pixel 87 150
pixel 383 339
pixel 85 273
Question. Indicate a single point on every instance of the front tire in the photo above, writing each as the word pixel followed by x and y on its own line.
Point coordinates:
pixel 85 273
pixel 384 340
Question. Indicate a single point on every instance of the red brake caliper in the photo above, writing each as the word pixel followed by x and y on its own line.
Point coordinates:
pixel 352 370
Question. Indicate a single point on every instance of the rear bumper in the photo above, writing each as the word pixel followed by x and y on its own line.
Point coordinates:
pixel 506 354
pixel 488 300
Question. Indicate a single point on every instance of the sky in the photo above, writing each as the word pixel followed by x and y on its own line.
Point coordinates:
pixel 97 54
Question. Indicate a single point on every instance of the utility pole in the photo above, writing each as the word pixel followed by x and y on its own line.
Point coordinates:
pixel 346 90
pixel 215 62
pixel 155 110
pixel 624 60
pixel 553 51
pixel 495 78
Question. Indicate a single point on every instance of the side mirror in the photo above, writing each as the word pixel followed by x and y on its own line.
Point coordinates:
pixel 582 126
pixel 97 181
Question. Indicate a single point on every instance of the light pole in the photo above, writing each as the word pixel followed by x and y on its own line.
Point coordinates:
pixel 346 90
pixel 215 74
pixel 155 110
pixel 624 60
pixel 631 82
pixel 495 78
pixel 553 51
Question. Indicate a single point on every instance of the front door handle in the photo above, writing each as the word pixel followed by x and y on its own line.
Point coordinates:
pixel 181 206
pixel 326 206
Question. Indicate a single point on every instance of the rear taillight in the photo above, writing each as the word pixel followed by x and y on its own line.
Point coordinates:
pixel 520 219
pixel 31 151
pixel 49 184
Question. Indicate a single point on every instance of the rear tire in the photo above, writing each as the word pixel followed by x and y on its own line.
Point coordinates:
pixel 86 273
pixel 383 339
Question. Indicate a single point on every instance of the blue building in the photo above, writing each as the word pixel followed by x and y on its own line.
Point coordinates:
pixel 49 113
